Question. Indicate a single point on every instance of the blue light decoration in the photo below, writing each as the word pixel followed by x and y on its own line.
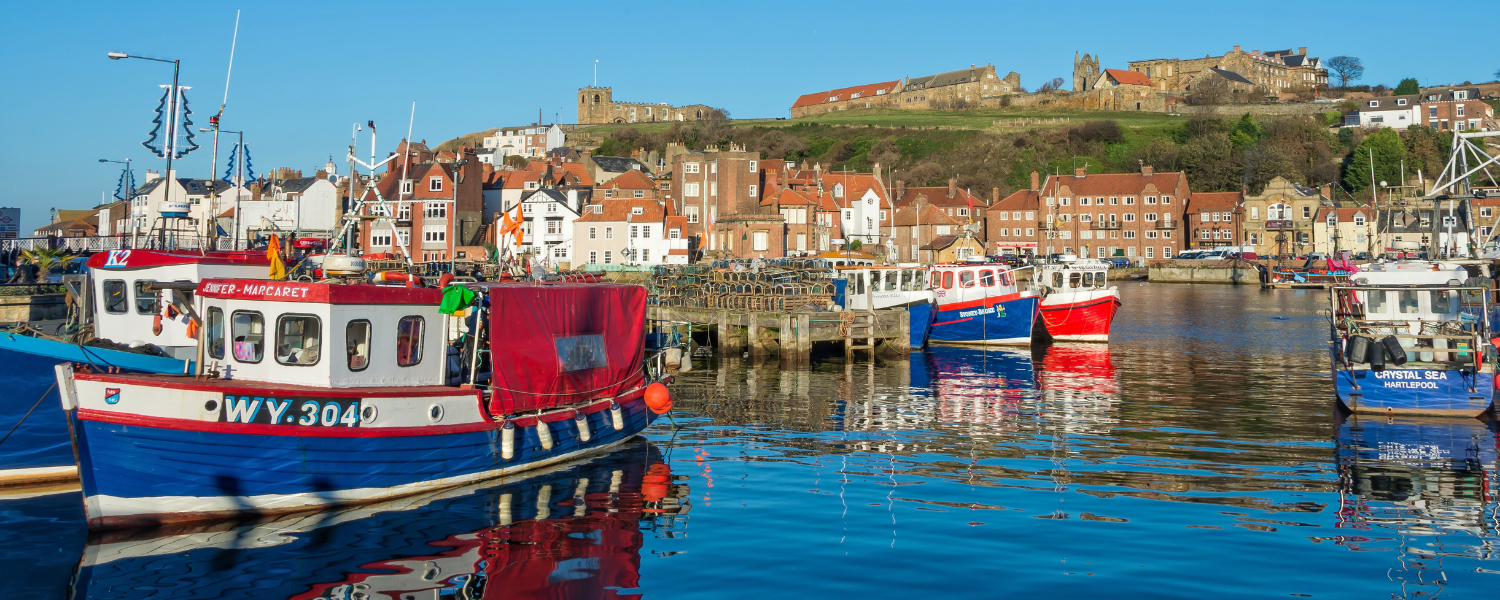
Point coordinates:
pixel 153 143
pixel 229 167
pixel 126 188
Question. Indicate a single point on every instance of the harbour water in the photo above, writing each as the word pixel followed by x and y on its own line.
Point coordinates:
pixel 1199 454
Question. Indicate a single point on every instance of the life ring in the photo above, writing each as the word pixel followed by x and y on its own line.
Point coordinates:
pixel 397 276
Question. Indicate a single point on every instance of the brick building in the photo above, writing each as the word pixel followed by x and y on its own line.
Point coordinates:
pixel 1134 215
pixel 714 182
pixel 1213 219
pixel 436 207
pixel 596 105
pixel 973 87
pixel 1459 109
pixel 916 228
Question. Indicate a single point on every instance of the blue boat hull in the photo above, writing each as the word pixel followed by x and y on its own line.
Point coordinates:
pixel 1415 391
pixel 41 441
pixel 921 323
pixel 135 475
pixel 990 321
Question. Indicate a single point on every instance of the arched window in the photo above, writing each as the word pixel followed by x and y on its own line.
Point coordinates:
pixel 700 115
pixel 596 98
pixel 1278 212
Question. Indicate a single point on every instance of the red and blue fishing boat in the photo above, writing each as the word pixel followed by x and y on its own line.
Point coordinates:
pixel 1077 303
pixel 313 395
pixel 981 304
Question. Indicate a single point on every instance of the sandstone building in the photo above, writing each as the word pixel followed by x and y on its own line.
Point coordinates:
pixel 596 105
pixel 1274 71
pixel 972 87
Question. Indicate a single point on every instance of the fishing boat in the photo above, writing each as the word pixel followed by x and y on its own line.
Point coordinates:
pixel 128 326
pixel 981 304
pixel 320 394
pixel 872 287
pixel 1077 303
pixel 1411 338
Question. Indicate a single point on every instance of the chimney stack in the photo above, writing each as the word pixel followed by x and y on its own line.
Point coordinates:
pixel 1036 184
pixel 876 171
pixel 1237 49
pixel 900 188
pixel 1079 172
pixel 994 196
pixel 1147 170
pixel 952 187
pixel 1302 51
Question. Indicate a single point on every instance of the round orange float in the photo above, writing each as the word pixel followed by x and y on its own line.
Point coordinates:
pixel 658 398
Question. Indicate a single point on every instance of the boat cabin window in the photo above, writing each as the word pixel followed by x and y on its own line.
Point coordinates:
pixel 891 280
pixel 1409 302
pixel 214 336
pixel 1057 280
pixel 1074 279
pixel 1375 301
pixel 947 280
pixel 114 297
pixel 1088 280
pixel 874 281
pixel 966 279
pixel 1442 302
pixel 298 342
pixel 987 278
pixel 937 280
pixel 409 341
pixel 357 338
pixel 248 329
pixel 145 302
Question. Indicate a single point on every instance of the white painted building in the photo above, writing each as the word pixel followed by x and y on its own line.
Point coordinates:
pixel 146 203
pixel 547 223
pixel 628 231
pixel 1396 112
pixel 531 141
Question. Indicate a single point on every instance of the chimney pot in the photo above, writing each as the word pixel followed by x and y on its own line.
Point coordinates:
pixel 1035 183
pixel 952 187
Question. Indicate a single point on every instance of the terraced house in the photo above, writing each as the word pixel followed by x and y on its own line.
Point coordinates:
pixel 1133 215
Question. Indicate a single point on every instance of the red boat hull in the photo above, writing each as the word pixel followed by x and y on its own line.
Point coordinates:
pixel 1082 321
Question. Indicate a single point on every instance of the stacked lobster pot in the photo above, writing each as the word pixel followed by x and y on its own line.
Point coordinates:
pixel 744 285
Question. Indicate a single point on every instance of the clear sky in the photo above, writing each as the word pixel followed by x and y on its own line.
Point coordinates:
pixel 304 72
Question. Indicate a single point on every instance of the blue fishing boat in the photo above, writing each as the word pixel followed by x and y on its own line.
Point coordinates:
pixel 573 530
pixel 981 304
pixel 1411 338
pixel 134 328
pixel 314 395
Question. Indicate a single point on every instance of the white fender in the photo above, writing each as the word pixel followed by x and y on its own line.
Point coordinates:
pixel 505 516
pixel 582 421
pixel 508 440
pixel 616 416
pixel 544 433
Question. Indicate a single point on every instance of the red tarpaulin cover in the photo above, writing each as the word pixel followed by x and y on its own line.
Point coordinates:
pixel 555 344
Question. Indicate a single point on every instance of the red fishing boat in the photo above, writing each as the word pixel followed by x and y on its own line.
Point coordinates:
pixel 1077 303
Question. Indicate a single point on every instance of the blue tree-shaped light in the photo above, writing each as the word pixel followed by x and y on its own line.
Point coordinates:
pixel 126 189
pixel 152 143
pixel 249 170
pixel 229 166
pixel 187 128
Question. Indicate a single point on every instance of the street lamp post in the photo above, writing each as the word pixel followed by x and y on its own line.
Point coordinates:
pixel 171 147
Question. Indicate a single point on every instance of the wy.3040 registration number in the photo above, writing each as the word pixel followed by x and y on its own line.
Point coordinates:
pixel 320 412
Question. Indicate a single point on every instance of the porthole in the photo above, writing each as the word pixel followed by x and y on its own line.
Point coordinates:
pixel 367 414
pixel 211 405
pixel 435 413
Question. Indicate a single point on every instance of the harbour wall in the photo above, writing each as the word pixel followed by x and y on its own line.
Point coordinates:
pixel 1203 271
pixel 27 309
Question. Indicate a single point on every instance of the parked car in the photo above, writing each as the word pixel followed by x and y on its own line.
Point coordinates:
pixel 1361 256
pixel 1118 262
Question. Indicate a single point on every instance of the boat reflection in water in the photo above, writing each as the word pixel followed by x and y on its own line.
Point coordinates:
pixel 1419 487
pixel 574 530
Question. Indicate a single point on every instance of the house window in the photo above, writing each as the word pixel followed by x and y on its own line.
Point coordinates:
pixel 526 208
pixel 1113 200
pixel 435 184
pixel 357 344
pixel 1460 110
pixel 759 241
pixel 1129 217
pixel 1307 212
pixel 403 212
pixel 593 256
pixel 752 166
pixel 637 210
pixel 406 186
pixel 713 188
pixel 1151 235
pixel 1484 211
pixel 434 233
pixel 1150 217
pixel 554 226
pixel 645 231
pixel 609 193
pixel 1129 200
pixel 690 190
pixel 247 328
pixel 409 341
pixel 691 167
pixel 673 234
pixel 1166 199
pixel 298 341
pixel 640 193
pixel 1401 102
pixel 380 239
pixel 1150 199
pixel 609 233
pixel 692 214
pixel 606 257
pixel 1030 215
pixel 1359 220
pixel 635 231
pixel 752 191
pixel 962 212
pixel 593 233
pixel 435 210
pixel 1204 216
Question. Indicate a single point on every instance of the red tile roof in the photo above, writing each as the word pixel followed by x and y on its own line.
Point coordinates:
pixel 631 180
pixel 1344 214
pixel 1106 184
pixel 931 215
pixel 1129 77
pixel 577 170
pixel 1215 201
pixel 619 209
pixel 864 91
pixel 939 196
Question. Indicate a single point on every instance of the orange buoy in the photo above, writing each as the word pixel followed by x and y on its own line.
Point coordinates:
pixel 156 327
pixel 658 398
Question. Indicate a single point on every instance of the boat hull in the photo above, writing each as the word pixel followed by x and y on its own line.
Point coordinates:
pixel 168 463
pixel 1002 320
pixel 1415 392
pixel 1081 316
pixel 39 449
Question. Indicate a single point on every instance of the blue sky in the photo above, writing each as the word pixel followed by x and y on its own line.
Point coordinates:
pixel 304 72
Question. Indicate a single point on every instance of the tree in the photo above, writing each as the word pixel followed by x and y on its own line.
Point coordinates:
pixel 1408 87
pixel 1055 84
pixel 1245 133
pixel 1209 90
pixel 45 259
pixel 1346 69
pixel 1386 150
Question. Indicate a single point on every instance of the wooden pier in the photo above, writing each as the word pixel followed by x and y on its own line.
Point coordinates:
pixel 791 335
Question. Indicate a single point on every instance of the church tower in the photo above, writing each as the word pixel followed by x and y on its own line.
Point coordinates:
pixel 593 105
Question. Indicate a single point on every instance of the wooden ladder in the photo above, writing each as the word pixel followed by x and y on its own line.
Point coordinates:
pixel 862 327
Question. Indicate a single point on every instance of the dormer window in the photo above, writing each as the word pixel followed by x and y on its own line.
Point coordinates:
pixel 435 184
pixel 636 210
pixel 1461 95
pixel 1374 103
pixel 838 190
pixel 1401 102
pixel 598 209
pixel 406 186
pixel 531 185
